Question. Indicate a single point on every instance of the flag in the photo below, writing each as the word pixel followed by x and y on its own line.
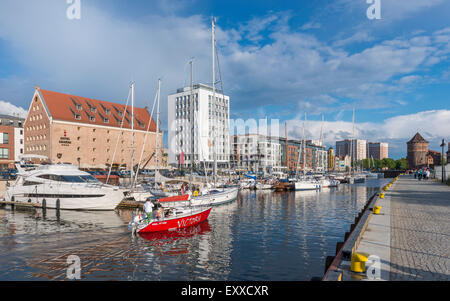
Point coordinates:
pixel 182 158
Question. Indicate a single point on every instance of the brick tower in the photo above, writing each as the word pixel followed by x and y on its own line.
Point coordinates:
pixel 417 149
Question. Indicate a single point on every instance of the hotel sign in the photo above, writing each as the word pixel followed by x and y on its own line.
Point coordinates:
pixel 65 141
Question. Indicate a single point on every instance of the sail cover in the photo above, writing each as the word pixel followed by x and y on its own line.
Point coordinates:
pixel 160 178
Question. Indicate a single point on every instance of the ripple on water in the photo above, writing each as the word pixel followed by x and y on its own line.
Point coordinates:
pixel 261 236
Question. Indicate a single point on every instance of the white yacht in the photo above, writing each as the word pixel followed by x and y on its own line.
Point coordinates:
pixel 307 184
pixel 65 184
pixel 328 182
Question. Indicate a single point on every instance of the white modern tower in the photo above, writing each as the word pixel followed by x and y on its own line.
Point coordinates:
pixel 211 126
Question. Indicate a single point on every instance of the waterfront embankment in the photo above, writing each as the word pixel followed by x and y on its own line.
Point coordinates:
pixel 410 236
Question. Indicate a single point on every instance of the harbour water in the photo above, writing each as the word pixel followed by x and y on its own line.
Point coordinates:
pixel 263 236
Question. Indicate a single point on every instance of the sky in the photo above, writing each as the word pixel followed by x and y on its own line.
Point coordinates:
pixel 278 60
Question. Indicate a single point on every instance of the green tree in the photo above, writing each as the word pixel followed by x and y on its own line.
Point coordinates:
pixel 401 164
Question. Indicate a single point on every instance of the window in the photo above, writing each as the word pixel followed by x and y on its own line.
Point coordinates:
pixel 4 153
pixel 5 138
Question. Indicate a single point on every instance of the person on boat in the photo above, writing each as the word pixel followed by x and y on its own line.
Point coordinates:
pixel 157 210
pixel 148 210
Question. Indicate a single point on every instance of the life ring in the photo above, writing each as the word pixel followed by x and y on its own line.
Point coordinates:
pixel 195 193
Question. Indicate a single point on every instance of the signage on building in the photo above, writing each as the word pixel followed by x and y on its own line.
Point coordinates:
pixel 65 141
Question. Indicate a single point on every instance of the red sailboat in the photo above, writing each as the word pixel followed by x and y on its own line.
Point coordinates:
pixel 168 219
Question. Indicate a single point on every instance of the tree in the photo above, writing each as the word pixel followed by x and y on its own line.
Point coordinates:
pixel 401 164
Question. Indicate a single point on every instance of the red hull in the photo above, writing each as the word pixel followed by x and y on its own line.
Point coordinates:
pixel 176 223
pixel 175 198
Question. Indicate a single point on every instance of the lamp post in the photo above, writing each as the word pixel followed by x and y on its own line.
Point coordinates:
pixel 442 162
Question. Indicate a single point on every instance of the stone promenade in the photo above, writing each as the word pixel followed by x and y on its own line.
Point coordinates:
pixel 411 236
pixel 420 230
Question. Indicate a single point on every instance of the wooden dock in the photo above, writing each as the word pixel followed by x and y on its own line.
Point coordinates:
pixel 125 204
pixel 25 205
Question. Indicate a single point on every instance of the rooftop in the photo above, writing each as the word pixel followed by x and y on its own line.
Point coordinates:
pixel 417 139
pixel 198 86
pixel 73 108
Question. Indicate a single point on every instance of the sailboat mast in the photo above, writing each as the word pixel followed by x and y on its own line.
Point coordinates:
pixel 351 143
pixel 157 128
pixel 213 45
pixel 132 131
pixel 304 147
pixel 192 124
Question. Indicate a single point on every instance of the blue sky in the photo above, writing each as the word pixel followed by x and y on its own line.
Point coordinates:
pixel 278 59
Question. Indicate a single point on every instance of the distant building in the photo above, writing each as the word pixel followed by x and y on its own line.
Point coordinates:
pixel 417 150
pixel 433 158
pixel 377 150
pixel 355 148
pixel 11 140
pixel 295 159
pixel 342 163
pixel 448 153
pixel 331 159
pixel 256 152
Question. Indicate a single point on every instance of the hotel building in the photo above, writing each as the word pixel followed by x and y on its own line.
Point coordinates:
pixel 211 127
pixel 87 132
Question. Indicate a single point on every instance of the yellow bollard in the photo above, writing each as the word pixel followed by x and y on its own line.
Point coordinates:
pixel 385 188
pixel 381 195
pixel 358 263
pixel 376 209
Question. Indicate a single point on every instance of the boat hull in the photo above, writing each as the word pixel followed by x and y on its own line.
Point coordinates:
pixel 176 223
pixel 306 186
pixel 70 197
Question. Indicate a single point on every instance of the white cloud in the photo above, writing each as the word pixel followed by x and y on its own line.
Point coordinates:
pixel 7 108
pixel 311 25
pixel 263 61
pixel 433 125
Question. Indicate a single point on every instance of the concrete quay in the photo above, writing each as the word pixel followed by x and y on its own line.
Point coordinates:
pixel 411 236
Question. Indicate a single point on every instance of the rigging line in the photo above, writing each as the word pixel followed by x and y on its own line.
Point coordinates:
pixel 118 135
pixel 145 139
pixel 223 97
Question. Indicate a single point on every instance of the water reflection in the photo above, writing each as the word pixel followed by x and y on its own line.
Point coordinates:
pixel 262 236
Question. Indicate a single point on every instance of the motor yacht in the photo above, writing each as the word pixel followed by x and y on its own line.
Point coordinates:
pixel 63 186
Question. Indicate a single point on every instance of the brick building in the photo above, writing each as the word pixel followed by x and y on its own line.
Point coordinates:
pixel 433 158
pixel 87 132
pixel 11 141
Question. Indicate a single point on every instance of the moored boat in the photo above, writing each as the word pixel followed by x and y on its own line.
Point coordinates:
pixel 65 187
